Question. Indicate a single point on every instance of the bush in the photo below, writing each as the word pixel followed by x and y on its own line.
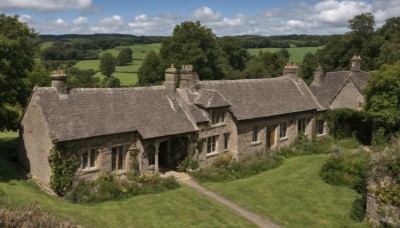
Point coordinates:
pixel 358 209
pixel 349 143
pixel 108 187
pixel 227 168
pixel 31 217
pixel 187 163
pixel 347 169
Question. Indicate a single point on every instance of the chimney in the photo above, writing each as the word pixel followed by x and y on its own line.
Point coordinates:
pixel 171 77
pixel 355 63
pixel 318 76
pixel 290 70
pixel 59 81
pixel 189 78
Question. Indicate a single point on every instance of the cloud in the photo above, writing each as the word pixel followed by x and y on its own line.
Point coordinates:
pixel 25 18
pixel 46 5
pixel 162 24
pixel 80 21
pixel 206 14
pixel 114 24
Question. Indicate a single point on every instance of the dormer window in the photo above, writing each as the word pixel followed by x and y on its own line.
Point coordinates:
pixel 218 115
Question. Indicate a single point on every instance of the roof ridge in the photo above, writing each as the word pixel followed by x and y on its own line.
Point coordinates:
pixel 242 80
pixel 74 90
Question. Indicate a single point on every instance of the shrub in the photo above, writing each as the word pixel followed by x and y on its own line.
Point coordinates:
pixel 349 143
pixel 31 217
pixel 358 209
pixel 187 163
pixel 109 187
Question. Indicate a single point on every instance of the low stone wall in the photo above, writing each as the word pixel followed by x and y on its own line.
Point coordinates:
pixel 381 213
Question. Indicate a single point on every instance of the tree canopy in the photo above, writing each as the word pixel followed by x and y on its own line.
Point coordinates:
pixel 192 43
pixel 152 70
pixel 18 46
pixel 383 96
pixel 124 57
pixel 107 64
pixel 82 78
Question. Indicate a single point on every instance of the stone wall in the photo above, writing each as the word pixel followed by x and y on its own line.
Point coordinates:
pixel 206 130
pixel 34 143
pixel 348 97
pixel 245 132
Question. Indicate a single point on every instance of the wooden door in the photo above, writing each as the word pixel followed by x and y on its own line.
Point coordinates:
pixel 271 136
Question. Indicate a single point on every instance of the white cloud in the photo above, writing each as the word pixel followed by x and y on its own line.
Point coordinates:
pixel 206 14
pixel 25 18
pixel 156 25
pixel 114 24
pixel 46 5
pixel 80 21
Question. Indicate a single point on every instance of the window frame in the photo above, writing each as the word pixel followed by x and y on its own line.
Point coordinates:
pixel 255 133
pixel 211 144
pixel 118 155
pixel 282 130
pixel 301 125
pixel 89 159
pixel 226 140
pixel 218 116
pixel 320 126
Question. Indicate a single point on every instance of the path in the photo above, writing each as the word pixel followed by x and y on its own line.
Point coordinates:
pixel 253 217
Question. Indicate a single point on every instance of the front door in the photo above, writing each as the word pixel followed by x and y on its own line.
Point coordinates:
pixel 270 136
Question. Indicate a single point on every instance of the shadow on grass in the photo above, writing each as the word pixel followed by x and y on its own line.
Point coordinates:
pixel 8 158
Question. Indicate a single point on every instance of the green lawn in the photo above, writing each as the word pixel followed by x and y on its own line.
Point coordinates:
pixel 293 195
pixel 296 53
pixel 182 207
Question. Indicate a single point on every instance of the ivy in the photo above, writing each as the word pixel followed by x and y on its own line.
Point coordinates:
pixel 64 162
pixel 133 154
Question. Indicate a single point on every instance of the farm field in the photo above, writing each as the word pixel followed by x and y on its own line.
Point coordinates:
pixel 127 74
pixel 296 53
pixel 293 195
pixel 182 207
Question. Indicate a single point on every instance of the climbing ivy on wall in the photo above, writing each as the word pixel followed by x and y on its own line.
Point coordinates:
pixel 133 154
pixel 64 162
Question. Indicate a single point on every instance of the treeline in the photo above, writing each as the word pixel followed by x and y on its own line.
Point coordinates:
pixel 254 41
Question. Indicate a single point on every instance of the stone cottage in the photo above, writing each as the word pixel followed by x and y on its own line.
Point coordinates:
pixel 161 125
pixel 342 89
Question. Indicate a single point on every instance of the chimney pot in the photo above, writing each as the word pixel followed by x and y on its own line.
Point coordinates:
pixel 59 81
pixel 290 70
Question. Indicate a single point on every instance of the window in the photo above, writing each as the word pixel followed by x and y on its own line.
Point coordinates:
pixel 218 116
pixel 320 127
pixel 282 130
pixel 301 125
pixel 211 144
pixel 255 134
pixel 226 141
pixel 89 159
pixel 117 158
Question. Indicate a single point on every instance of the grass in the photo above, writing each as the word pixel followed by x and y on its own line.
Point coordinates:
pixel 182 207
pixel 293 195
pixel 126 74
pixel 296 53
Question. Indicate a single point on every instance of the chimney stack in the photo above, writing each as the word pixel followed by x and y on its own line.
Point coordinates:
pixel 318 76
pixel 59 81
pixel 290 70
pixel 171 77
pixel 189 78
pixel 355 63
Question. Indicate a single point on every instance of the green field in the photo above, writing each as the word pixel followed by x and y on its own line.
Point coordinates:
pixel 293 195
pixel 296 53
pixel 127 74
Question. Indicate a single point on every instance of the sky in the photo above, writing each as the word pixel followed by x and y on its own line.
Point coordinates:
pixel 225 17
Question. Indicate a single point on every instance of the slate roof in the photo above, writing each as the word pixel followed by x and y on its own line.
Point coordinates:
pixel 94 112
pixel 333 83
pixel 209 98
pixel 257 98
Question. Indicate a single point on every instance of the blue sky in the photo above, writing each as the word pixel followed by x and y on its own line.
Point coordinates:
pixel 225 17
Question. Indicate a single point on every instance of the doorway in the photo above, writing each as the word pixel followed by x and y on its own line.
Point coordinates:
pixel 270 136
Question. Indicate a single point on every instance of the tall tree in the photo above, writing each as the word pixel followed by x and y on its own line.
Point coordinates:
pixel 233 52
pixel 124 57
pixel 82 78
pixel 18 45
pixel 152 70
pixel 192 43
pixel 307 68
pixel 107 64
pixel 383 96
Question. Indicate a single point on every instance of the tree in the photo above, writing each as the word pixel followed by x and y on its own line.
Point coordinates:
pixel 18 45
pixel 152 70
pixel 124 57
pixel 233 52
pixel 307 68
pixel 382 99
pixel 192 43
pixel 107 64
pixel 110 82
pixel 82 78
pixel 363 25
